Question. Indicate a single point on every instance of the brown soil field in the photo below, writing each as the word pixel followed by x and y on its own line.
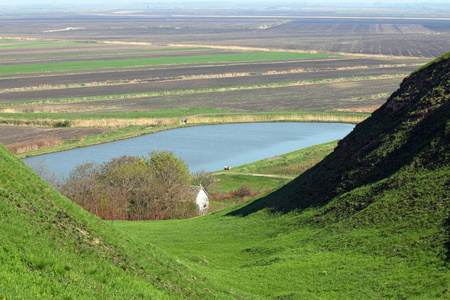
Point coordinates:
pixel 314 97
pixel 371 45
pixel 140 73
pixel 164 85
pixel 112 56
pixel 79 49
pixel 416 36
pixel 318 97
pixel 10 135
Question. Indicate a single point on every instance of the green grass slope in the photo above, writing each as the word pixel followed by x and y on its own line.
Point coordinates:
pixel 370 221
pixel 51 248
pixel 408 134
pixel 389 176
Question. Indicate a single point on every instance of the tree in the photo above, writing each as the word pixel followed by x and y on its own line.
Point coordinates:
pixel 133 188
pixel 82 187
pixel 170 176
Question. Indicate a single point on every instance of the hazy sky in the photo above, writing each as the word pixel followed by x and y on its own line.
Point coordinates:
pixel 398 4
pixel 150 2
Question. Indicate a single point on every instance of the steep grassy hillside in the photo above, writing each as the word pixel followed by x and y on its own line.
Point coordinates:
pixel 369 221
pixel 51 248
pixel 408 134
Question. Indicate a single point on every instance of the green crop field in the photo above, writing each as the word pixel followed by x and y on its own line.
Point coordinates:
pixel 99 53
pixel 122 63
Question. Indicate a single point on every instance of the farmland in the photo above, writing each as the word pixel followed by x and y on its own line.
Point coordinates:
pixel 146 65
pixel 365 217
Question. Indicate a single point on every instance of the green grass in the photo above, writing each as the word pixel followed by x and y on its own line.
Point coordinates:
pixel 53 249
pixel 104 53
pixel 232 182
pixel 370 221
pixel 160 113
pixel 49 247
pixel 122 63
pixel 293 163
pixel 267 257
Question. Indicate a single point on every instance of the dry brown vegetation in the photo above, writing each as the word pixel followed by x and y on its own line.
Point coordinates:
pixel 276 117
pixel 33 145
pixel 220 201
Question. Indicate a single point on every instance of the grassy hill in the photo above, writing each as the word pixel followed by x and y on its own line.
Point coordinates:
pixel 369 221
pixel 52 248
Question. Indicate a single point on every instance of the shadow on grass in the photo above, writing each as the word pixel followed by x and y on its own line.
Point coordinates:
pixel 357 162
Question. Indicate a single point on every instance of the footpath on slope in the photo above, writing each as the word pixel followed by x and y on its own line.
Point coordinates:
pixel 254 174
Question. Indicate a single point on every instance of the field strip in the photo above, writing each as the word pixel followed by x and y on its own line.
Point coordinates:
pixel 203 90
pixel 178 60
pixel 350 54
pixel 159 67
pixel 317 17
pixel 190 77
pixel 104 53
pixel 43 45
pixel 217 118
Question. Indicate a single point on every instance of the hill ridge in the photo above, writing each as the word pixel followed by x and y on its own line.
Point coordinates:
pixel 411 129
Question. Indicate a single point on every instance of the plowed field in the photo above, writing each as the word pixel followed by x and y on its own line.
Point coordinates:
pixel 201 62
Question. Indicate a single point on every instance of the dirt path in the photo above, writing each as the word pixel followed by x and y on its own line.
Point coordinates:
pixel 254 174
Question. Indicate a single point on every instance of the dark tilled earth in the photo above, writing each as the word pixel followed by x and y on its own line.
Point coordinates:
pixel 164 85
pixel 10 135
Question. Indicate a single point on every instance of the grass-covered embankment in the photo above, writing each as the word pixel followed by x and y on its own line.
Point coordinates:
pixel 371 220
pixel 51 248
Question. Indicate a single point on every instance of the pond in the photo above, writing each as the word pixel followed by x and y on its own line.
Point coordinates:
pixel 209 147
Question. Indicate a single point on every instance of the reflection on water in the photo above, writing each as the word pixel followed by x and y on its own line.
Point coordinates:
pixel 210 147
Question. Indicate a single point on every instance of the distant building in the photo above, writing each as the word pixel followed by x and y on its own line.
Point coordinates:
pixel 201 198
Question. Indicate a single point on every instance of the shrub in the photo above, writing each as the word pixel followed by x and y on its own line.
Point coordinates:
pixel 62 124
pixel 242 192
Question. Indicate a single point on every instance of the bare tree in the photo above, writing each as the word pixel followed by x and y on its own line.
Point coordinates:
pixel 200 177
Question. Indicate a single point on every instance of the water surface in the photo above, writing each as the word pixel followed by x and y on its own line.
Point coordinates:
pixel 210 147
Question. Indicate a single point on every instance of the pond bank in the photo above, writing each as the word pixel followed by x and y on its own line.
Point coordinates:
pixel 115 134
pixel 206 147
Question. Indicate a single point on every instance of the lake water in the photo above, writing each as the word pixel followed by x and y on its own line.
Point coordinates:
pixel 210 147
